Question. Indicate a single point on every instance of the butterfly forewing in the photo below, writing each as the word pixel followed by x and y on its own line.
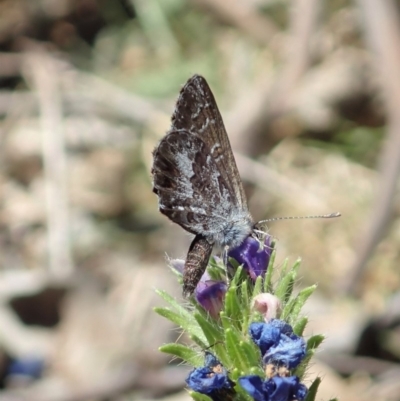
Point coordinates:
pixel 197 112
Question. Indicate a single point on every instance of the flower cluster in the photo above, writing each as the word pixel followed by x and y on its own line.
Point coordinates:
pixel 261 360
pixel 282 350
pixel 253 255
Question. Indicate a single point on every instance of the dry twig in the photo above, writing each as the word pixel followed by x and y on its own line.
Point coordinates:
pixel 382 29
pixel 243 15
pixel 43 74
pixel 274 96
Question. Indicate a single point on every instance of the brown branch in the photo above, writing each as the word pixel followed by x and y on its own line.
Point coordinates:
pixel 348 364
pixel 382 29
pixel 41 71
pixel 10 64
pixel 244 16
pixel 273 97
pixel 275 183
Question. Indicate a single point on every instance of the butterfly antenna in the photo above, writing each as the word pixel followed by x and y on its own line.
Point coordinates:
pixel 319 216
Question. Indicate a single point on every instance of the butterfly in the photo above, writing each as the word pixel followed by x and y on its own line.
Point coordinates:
pixel 197 181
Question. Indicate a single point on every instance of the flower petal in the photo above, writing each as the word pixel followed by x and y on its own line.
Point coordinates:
pixel 264 335
pixel 253 385
pixel 288 352
pixel 253 255
pixel 210 295
pixel 204 381
pixel 274 389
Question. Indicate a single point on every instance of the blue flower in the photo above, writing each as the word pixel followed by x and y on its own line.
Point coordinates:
pixel 278 344
pixel 212 379
pixel 265 335
pixel 275 389
pixel 253 255
pixel 210 294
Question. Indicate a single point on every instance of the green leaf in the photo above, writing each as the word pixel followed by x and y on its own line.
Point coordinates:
pixel 199 397
pixel 285 287
pixel 268 275
pixel 245 304
pixel 285 314
pixel 221 353
pixel 189 355
pixel 300 325
pixel 181 316
pixel 300 370
pixel 216 270
pixel 312 391
pixel 300 301
pixel 232 341
pixel 314 341
pixel 237 278
pixel 232 307
pixel 210 328
pixel 234 374
pixel 258 286
pixel 284 268
pixel 233 337
pixel 256 370
pixel 176 305
pixel 251 355
pixel 199 341
pixel 171 316
pixel 189 325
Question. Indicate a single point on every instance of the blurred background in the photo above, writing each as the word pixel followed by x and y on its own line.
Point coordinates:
pixel 310 94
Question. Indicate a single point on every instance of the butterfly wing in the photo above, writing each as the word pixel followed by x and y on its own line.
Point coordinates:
pixel 192 191
pixel 197 112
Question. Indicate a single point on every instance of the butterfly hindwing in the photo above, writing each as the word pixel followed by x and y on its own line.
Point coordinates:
pixel 192 192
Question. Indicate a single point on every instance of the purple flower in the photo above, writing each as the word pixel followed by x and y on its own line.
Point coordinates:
pixel 212 379
pixel 275 389
pixel 278 344
pixel 253 255
pixel 210 294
